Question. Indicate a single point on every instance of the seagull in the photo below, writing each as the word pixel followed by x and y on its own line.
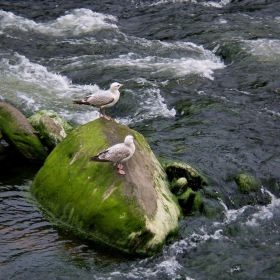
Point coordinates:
pixel 118 153
pixel 102 99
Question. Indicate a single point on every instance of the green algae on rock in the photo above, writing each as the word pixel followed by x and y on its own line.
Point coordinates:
pixel 176 170
pixel 51 128
pixel 249 191
pixel 17 131
pixel 247 183
pixel 134 213
pixel 191 201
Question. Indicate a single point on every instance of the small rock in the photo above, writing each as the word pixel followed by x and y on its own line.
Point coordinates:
pixel 190 201
pixel 249 192
pixel 178 186
pixel 247 183
pixel 180 169
pixel 18 132
pixel 51 128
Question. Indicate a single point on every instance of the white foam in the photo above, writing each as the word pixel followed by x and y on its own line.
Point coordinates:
pixel 151 106
pixel 166 67
pixel 33 87
pixel 76 22
pixel 264 49
pixel 168 267
pixel 264 212
pixel 274 113
pixel 213 4
pixel 28 101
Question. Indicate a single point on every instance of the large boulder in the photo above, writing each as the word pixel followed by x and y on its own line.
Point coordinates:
pixel 17 131
pixel 51 128
pixel 134 213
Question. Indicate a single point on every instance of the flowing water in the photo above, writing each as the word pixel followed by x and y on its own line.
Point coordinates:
pixel 202 84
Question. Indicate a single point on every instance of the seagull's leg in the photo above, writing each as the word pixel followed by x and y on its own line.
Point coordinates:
pixel 120 166
pixel 120 169
pixel 102 114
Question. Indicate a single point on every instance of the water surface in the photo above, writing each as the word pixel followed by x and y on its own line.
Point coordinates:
pixel 201 84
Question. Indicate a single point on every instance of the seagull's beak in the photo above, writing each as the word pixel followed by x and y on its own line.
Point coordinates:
pixel 121 85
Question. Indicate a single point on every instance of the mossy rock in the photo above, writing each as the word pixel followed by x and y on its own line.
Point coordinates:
pixel 4 151
pixel 134 213
pixel 247 183
pixel 18 132
pixel 212 208
pixel 178 186
pixel 249 192
pixel 176 170
pixel 51 128
pixel 190 202
pixel 254 198
pixel 272 184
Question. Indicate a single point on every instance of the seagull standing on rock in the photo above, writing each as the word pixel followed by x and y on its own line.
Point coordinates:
pixel 118 153
pixel 102 99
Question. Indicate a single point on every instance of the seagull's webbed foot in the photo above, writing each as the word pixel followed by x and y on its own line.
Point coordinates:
pixel 120 169
pixel 105 117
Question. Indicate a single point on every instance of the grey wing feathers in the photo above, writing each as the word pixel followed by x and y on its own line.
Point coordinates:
pixel 116 153
pixel 99 100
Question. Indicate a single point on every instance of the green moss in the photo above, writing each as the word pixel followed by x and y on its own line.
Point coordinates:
pixel 178 186
pixel 17 131
pixel 51 128
pixel 247 183
pixel 176 170
pixel 190 201
pixel 37 116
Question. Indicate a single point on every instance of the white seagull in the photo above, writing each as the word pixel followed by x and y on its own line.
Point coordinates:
pixel 118 153
pixel 102 99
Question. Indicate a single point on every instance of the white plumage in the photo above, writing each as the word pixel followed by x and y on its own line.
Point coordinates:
pixel 118 153
pixel 102 99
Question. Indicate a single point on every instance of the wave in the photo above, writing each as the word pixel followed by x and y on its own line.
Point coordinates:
pixel 170 60
pixel 264 49
pixel 31 87
pixel 163 67
pixel 151 105
pixel 219 4
pixel 74 23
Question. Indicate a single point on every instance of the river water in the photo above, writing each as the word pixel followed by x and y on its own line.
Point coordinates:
pixel 202 84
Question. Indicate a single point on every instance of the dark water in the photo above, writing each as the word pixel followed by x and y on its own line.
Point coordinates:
pixel 201 84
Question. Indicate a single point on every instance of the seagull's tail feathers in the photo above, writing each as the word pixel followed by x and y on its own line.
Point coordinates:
pixel 81 102
pixel 99 158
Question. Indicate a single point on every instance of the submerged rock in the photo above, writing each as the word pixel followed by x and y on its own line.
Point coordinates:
pixel 180 169
pixel 186 184
pixel 18 132
pixel 51 128
pixel 191 201
pixel 249 191
pixel 247 183
pixel 178 186
pixel 134 213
